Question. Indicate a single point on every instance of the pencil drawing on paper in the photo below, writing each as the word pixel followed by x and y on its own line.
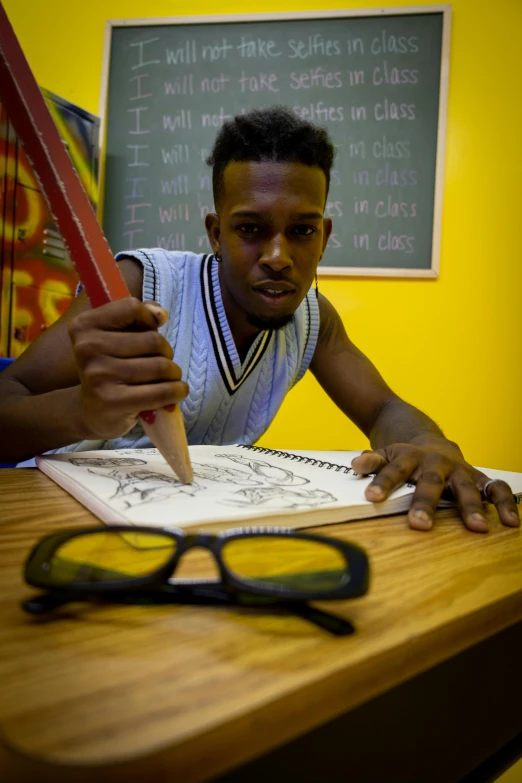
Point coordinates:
pixel 260 482
pixel 224 474
pixel 271 473
pixel 280 497
pixel 106 462
pixel 138 485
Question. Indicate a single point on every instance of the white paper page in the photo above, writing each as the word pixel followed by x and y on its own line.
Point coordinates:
pixel 231 484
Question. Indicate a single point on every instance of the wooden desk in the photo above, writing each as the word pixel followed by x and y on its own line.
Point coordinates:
pixel 187 693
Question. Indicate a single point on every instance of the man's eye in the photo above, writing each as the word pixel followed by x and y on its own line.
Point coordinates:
pixel 249 228
pixel 305 231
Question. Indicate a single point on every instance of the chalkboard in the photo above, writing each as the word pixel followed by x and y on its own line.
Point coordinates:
pixel 376 79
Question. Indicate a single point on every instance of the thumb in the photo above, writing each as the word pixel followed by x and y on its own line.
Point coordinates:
pixel 160 315
pixel 369 462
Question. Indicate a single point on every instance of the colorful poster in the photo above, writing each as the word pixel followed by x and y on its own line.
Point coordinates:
pixel 38 280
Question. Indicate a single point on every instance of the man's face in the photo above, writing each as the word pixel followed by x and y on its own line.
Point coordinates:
pixel 271 234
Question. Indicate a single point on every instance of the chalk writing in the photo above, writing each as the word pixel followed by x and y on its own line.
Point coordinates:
pixel 389 110
pixel 182 55
pixel 386 43
pixel 175 212
pixel 215 120
pixel 315 77
pixel 356 78
pixel 138 130
pixel 318 112
pixel 177 187
pixel 179 153
pixel 333 209
pixel 258 48
pixel 386 148
pixel 139 94
pixel 215 83
pixel 312 46
pixel 260 82
pixel 355 46
pixel 372 81
pixel 393 242
pixel 171 241
pixel 136 157
pixel 140 46
pixel 385 74
pixel 181 85
pixel 135 193
pixel 217 51
pixel 181 120
pixel 392 208
pixel 133 218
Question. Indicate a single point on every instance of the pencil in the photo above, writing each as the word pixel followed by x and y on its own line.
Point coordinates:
pixel 75 217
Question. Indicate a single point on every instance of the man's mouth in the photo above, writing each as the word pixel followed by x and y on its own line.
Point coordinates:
pixel 273 293
pixel 276 292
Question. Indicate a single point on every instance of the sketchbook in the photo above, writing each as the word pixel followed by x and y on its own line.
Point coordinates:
pixel 233 486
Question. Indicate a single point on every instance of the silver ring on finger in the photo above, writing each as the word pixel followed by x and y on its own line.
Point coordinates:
pixel 484 489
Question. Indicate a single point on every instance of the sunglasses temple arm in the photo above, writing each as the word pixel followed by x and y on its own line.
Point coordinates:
pixel 216 594
pixel 332 623
pixel 46 602
pixel 338 626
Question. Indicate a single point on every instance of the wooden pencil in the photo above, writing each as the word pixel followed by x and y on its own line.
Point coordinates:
pixel 75 217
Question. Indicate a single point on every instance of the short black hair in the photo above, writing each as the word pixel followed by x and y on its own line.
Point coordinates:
pixel 275 133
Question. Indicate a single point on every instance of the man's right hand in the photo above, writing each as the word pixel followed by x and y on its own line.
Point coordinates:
pixel 125 366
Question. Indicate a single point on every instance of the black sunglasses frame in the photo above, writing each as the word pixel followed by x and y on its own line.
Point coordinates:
pixel 211 595
pixel 357 566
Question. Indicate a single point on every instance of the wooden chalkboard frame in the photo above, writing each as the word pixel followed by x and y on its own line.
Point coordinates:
pixel 445 10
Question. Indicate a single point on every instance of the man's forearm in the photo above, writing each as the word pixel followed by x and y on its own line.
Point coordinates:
pixel 32 424
pixel 399 422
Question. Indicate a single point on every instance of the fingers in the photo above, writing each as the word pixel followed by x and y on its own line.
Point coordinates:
pixel 122 345
pixel 123 314
pixel 499 493
pixel 154 369
pixel 391 476
pixel 394 466
pixel 150 396
pixel 124 365
pixel 430 484
pixel 469 501
pixel 432 472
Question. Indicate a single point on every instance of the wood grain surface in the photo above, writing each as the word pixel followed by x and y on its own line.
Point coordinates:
pixel 185 693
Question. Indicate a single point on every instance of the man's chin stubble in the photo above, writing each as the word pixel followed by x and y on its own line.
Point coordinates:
pixel 270 322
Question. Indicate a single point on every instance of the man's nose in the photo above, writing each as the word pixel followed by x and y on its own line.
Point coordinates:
pixel 276 255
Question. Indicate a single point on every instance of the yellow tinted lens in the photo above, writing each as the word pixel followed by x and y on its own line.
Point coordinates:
pixel 110 557
pixel 286 563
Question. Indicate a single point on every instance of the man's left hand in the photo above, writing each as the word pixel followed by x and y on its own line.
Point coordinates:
pixel 433 465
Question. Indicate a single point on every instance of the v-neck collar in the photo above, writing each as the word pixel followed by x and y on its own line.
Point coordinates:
pixel 233 372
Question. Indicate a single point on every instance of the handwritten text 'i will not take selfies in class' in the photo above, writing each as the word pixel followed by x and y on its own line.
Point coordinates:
pixel 338 73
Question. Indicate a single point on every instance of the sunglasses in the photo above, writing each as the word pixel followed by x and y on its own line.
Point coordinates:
pixel 257 567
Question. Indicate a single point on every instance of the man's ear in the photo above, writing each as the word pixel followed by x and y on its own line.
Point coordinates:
pixel 213 231
pixel 327 230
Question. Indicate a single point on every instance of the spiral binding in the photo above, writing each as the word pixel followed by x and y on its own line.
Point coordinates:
pixel 298 458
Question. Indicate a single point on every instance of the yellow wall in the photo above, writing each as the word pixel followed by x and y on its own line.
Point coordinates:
pixel 452 346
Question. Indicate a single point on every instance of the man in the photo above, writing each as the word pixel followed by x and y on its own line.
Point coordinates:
pixel 244 325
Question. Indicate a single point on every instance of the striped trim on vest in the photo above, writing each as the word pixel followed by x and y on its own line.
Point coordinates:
pixel 226 368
